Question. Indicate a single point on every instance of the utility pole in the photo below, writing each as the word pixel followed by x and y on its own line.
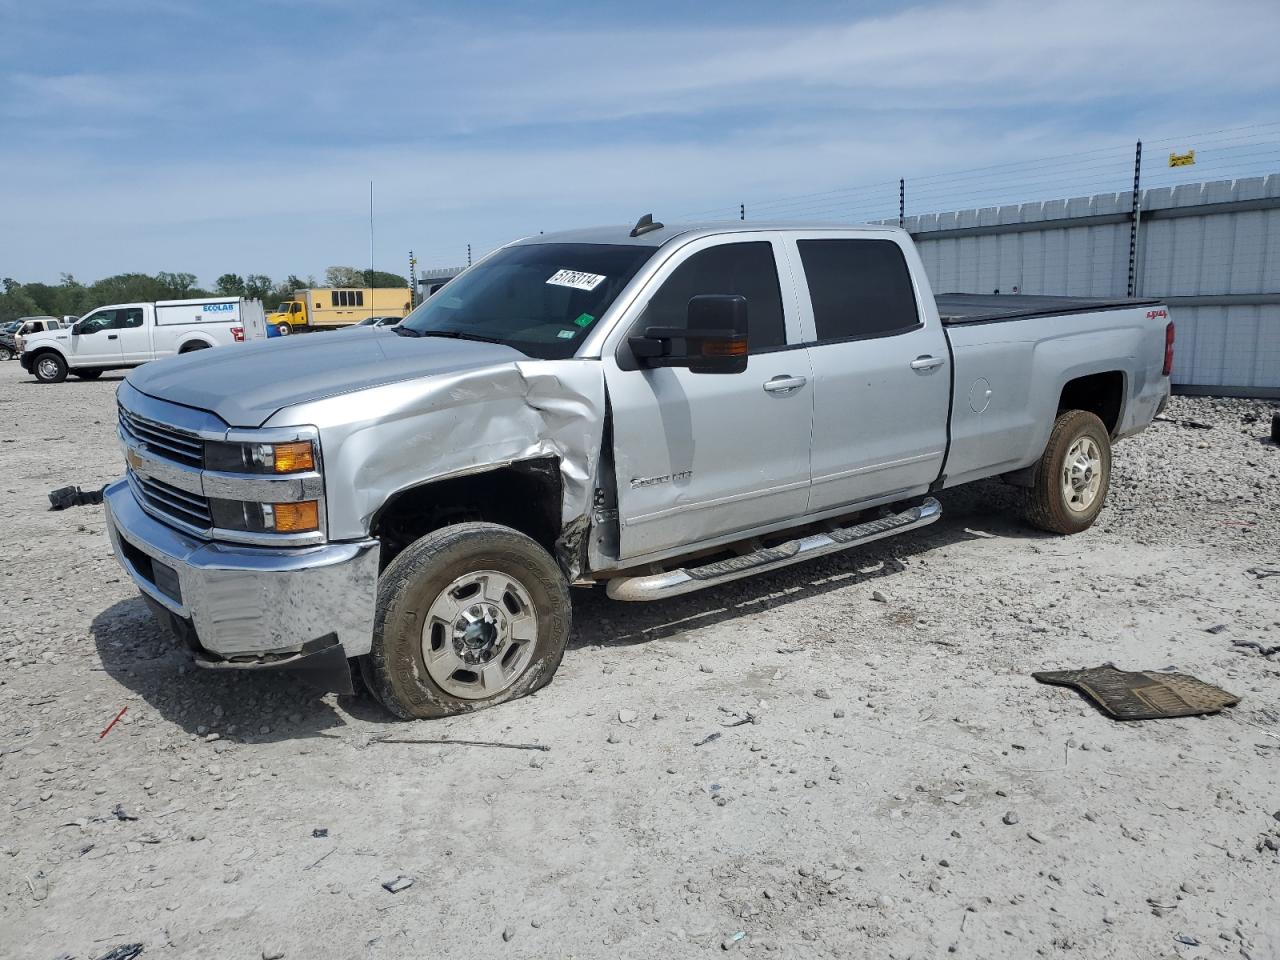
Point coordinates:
pixel 902 203
pixel 413 280
pixel 742 211
pixel 1135 220
pixel 468 254
pixel 371 297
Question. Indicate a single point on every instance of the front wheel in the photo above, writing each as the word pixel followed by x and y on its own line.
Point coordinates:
pixel 6 353
pixel 1073 475
pixel 471 615
pixel 50 368
pixel 283 329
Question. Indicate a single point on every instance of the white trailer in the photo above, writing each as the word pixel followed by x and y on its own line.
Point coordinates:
pixel 123 335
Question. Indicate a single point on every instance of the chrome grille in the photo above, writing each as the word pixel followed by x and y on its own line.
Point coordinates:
pixel 163 441
pixel 189 509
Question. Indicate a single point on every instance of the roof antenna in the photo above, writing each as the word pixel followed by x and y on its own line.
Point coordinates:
pixel 645 225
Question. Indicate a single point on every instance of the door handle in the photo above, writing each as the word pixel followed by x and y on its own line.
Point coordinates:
pixel 111 336
pixel 784 384
pixel 926 362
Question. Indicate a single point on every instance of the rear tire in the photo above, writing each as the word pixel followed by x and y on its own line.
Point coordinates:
pixel 469 616
pixel 87 374
pixel 49 367
pixel 1070 482
pixel 6 353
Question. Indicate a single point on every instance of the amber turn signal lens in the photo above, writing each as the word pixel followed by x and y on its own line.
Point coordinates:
pixel 296 517
pixel 292 457
pixel 724 348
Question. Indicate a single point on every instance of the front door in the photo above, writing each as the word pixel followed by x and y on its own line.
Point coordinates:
pixel 882 382
pixel 700 456
pixel 95 340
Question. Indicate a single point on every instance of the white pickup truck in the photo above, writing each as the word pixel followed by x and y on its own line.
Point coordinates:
pixel 124 335
pixel 655 409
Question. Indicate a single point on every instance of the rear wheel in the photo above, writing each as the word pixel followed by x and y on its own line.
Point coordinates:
pixel 471 615
pixel 1071 480
pixel 49 367
pixel 6 353
pixel 87 374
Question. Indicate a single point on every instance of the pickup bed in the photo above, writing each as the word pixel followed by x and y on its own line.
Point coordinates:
pixel 124 335
pixel 657 409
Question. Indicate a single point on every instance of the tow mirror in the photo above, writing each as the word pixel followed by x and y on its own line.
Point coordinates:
pixel 715 339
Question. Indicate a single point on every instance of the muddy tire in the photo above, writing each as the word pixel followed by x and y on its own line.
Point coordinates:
pixel 471 615
pixel 49 367
pixel 1070 482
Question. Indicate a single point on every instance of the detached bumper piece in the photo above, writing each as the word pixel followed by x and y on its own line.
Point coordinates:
pixel 251 608
pixel 672 583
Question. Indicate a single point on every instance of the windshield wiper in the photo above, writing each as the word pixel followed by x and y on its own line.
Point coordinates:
pixel 458 335
pixel 405 331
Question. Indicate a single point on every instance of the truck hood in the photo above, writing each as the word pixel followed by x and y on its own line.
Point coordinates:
pixel 246 384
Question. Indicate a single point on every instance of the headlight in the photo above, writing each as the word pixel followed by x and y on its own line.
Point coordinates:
pixel 295 456
pixel 300 517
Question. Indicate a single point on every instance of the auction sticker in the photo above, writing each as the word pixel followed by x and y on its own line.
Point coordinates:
pixel 576 279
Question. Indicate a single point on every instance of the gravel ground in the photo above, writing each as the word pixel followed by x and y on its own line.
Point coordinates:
pixel 885 778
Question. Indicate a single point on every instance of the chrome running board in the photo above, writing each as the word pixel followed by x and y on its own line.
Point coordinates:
pixel 671 583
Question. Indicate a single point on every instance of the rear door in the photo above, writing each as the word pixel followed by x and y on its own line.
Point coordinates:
pixel 699 456
pixel 134 335
pixel 880 365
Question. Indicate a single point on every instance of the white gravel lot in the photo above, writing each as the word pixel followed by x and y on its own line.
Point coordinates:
pixel 860 812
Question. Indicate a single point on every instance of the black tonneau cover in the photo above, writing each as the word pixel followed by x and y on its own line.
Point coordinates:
pixel 957 308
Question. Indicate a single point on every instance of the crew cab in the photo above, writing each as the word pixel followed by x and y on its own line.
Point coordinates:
pixel 656 409
pixel 123 335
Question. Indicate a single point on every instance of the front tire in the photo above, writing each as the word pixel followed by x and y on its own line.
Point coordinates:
pixel 469 616
pixel 283 329
pixel 49 368
pixel 1070 482
pixel 6 353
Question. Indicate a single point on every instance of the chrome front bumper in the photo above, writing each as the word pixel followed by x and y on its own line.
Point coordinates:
pixel 248 606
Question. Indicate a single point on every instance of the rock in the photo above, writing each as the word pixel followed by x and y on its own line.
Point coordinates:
pixel 822 694
pixel 704 668
pixel 627 716
pixel 272 953
pixel 613 738
pixel 507 934
pixel 728 943
pixel 838 713
pixel 1010 818
pixel 883 902
pixel 879 596
pixel 399 883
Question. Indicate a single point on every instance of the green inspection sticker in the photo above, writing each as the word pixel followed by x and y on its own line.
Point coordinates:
pixel 585 320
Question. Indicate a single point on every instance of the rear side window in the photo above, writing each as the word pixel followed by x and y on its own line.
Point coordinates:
pixel 859 288
pixel 740 269
pixel 129 317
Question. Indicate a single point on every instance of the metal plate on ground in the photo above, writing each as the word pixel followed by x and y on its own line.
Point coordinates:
pixel 1142 695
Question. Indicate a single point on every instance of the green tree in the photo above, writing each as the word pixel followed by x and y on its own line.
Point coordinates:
pixel 178 285
pixel 343 277
pixel 230 285
pixel 257 286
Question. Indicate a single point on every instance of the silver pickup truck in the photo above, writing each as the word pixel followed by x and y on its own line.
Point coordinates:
pixel 658 409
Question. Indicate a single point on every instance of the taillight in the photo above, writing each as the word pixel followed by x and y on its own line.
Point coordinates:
pixel 238 334
pixel 1168 349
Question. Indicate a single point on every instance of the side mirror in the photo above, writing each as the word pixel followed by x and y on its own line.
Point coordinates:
pixel 715 339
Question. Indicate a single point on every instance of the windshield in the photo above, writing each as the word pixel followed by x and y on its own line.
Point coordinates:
pixel 540 298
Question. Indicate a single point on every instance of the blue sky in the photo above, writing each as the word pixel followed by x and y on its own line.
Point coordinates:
pixel 209 137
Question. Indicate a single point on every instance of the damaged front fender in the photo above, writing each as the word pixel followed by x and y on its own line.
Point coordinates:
pixel 385 439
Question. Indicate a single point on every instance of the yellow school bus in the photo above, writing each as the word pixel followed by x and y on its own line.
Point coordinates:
pixel 338 307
